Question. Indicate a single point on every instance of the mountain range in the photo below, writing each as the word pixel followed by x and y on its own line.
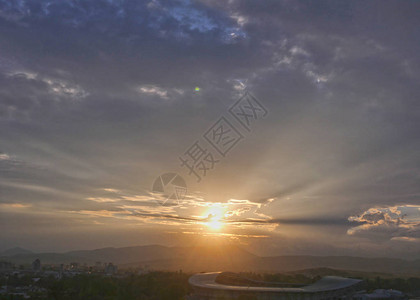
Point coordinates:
pixel 215 258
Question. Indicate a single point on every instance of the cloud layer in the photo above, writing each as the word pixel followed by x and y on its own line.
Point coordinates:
pixel 98 98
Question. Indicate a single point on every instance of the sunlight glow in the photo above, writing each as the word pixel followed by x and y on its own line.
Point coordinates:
pixel 214 224
pixel 214 219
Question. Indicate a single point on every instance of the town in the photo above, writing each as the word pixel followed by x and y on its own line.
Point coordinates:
pixel 103 280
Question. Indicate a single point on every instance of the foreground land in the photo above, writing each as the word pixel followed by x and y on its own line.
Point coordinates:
pixel 159 285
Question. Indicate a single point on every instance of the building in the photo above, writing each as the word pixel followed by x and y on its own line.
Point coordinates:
pixel 111 269
pixel 205 287
pixel 36 265
pixel 98 266
pixel 74 266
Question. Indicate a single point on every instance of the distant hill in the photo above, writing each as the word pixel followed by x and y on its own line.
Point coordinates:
pixel 127 254
pixel 216 258
pixel 15 251
pixel 383 265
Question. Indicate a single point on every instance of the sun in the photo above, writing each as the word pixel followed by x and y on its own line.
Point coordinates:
pixel 215 224
pixel 215 218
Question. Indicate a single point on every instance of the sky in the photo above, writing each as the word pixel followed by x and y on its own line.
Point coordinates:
pixel 293 125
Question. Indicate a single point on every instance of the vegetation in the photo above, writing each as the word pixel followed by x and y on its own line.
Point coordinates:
pixel 408 285
pixel 280 278
pixel 153 286
pixel 158 286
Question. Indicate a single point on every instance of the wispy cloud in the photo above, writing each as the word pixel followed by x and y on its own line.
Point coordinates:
pixel 15 205
pixel 4 156
pixel 60 88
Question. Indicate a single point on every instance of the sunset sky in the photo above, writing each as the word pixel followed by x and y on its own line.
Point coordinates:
pixel 99 98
